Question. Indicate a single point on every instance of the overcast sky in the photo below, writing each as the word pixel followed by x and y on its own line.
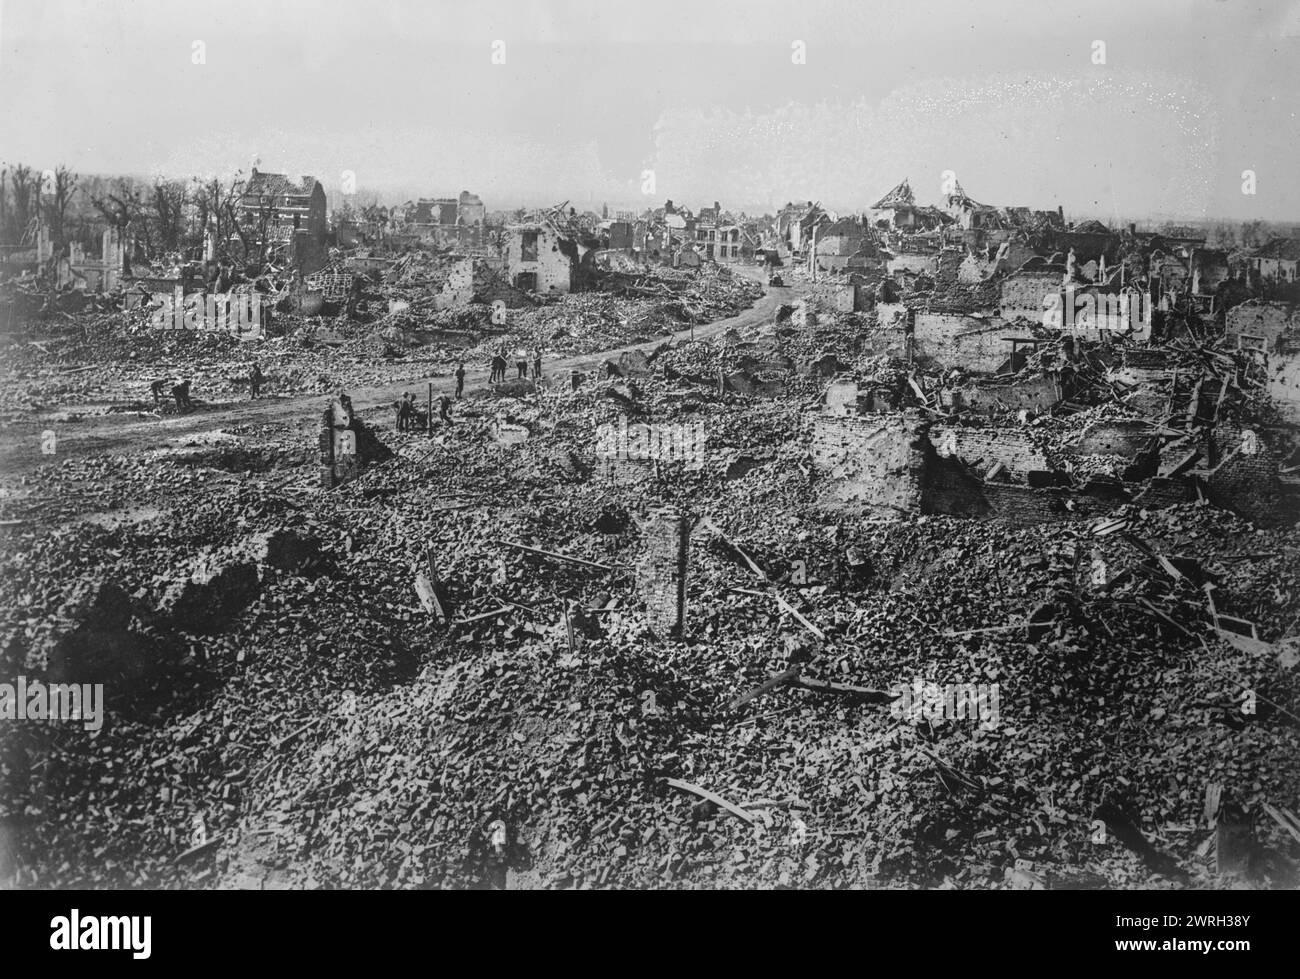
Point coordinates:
pixel 404 94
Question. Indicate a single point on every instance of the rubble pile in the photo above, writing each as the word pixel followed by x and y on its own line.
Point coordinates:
pixel 106 360
pixel 450 670
pixel 340 724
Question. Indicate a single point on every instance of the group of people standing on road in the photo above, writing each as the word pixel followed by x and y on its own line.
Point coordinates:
pixel 408 411
pixel 522 357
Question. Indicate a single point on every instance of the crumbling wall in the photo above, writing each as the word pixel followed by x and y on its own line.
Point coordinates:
pixel 1023 294
pixel 947 267
pixel 1024 506
pixel 982 448
pixel 839 296
pixel 473 280
pixel 842 398
pixel 547 261
pixel 1284 383
pixel 1129 439
pixel 976 268
pixel 459 287
pixel 875 462
pixel 1258 324
pixel 1244 475
pixel 1033 393
pixel 884 341
pixel 953 340
pixel 912 263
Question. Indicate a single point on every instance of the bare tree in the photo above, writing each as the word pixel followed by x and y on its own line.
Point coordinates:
pixel 58 197
pixel 124 208
pixel 26 186
pixel 169 199
pixel 5 231
pixel 217 207
pixel 1253 234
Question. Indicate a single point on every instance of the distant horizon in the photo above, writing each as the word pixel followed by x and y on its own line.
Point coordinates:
pixel 364 195
pixel 1113 109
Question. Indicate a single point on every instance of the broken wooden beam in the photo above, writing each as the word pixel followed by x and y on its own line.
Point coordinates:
pixel 847 689
pixel 758 572
pixel 553 555
pixel 1284 819
pixel 766 687
pixel 716 799
pixel 784 605
pixel 293 735
pixel 503 610
pixel 957 634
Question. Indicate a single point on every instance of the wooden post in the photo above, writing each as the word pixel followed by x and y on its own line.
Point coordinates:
pixel 429 417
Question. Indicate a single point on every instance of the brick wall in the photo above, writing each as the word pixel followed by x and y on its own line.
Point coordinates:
pixel 952 340
pixel 1159 492
pixel 913 263
pixel 1129 439
pixel 1256 319
pixel 886 342
pixel 661 571
pixel 1245 477
pixel 1284 384
pixel 1022 294
pixel 874 462
pixel 1035 393
pixel 839 296
pixel 892 463
pixel 982 447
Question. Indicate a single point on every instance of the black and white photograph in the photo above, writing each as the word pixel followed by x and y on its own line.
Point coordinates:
pixel 594 446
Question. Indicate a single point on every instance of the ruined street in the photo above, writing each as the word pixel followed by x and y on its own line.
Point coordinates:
pixel 594 449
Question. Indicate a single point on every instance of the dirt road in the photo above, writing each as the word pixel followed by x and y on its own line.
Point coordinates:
pixel 124 433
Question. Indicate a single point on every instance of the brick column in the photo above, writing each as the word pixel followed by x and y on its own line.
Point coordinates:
pixel 662 570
